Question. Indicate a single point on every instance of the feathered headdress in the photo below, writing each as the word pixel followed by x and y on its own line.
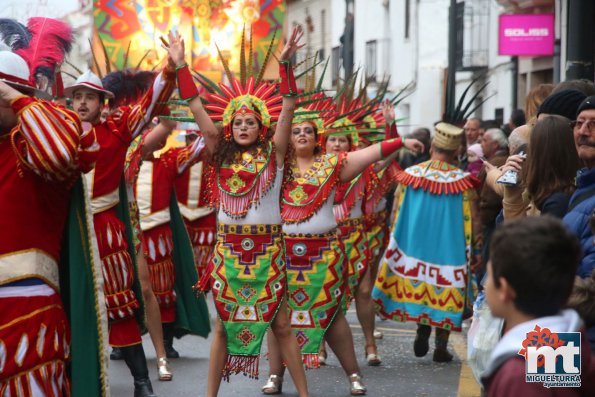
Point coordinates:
pixel 247 95
pixel 50 41
pixel 128 86
pixel 318 109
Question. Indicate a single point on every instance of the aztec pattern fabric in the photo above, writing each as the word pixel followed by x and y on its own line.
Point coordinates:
pixel 377 234
pixel 158 247
pixel 242 183
pixel 33 363
pixel 248 284
pixel 202 232
pixel 356 253
pixel 316 287
pixel 118 273
pixel 424 274
pixel 305 194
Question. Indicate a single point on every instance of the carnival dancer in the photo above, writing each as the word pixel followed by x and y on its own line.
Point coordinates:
pixel 381 182
pixel 114 136
pixel 248 278
pixel 193 199
pixel 349 213
pixel 172 278
pixel 424 273
pixel 43 151
pixel 128 87
pixel 316 274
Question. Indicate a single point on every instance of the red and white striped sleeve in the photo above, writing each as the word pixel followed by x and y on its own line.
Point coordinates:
pixel 152 103
pixel 189 155
pixel 46 138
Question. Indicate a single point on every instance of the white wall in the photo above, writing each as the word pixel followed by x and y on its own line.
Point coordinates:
pixel 320 37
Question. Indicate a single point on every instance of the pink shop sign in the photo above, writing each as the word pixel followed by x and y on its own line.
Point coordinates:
pixel 526 35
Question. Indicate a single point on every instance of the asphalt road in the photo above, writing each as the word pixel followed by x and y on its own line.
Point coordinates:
pixel 401 373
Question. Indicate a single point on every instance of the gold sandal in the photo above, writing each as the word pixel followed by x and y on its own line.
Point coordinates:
pixel 165 373
pixel 373 359
pixel 273 386
pixel 356 385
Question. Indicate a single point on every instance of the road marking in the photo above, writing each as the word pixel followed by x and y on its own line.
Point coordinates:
pixel 468 386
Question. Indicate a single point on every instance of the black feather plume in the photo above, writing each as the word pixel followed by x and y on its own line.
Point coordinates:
pixel 14 34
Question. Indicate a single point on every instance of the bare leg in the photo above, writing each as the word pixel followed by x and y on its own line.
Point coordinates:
pixel 365 310
pixel 217 359
pixel 340 340
pixel 151 306
pixel 290 351
pixel 276 366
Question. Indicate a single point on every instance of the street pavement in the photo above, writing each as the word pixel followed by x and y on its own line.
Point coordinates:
pixel 401 373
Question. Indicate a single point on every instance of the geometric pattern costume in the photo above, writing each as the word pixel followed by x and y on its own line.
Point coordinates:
pixel 114 136
pixel 348 206
pixel 41 163
pixel 424 273
pixel 247 266
pixel 316 274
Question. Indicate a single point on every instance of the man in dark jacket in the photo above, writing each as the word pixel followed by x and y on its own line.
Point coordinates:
pixel 582 202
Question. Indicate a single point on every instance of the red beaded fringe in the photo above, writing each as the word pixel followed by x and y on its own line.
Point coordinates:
pixel 248 365
pixel 310 361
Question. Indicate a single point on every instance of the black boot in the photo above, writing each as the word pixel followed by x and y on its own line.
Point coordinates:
pixel 137 363
pixel 421 345
pixel 168 341
pixel 116 354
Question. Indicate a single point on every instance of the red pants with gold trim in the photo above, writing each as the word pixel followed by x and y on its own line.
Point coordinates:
pixel 34 342
pixel 118 277
pixel 159 247
pixel 203 233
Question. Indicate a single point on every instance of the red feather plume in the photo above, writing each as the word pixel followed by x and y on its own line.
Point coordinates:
pixel 51 40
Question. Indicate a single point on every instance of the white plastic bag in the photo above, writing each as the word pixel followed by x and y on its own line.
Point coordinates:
pixel 484 333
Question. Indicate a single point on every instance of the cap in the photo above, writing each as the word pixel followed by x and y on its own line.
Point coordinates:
pixel 88 80
pixel 447 136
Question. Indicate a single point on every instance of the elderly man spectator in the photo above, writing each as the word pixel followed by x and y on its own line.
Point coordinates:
pixel 472 129
pixel 495 149
pixel 582 202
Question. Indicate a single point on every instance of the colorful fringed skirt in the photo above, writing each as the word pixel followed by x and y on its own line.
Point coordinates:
pixel 316 288
pixel 378 234
pixel 159 247
pixel 355 242
pixel 202 232
pixel 248 285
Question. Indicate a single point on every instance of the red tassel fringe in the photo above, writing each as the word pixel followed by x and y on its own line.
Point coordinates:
pixel 310 361
pixel 248 365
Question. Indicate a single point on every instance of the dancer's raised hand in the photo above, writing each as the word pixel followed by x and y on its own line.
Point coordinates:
pixel 175 48
pixel 293 44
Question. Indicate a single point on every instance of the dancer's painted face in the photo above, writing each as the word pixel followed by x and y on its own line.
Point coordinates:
pixel 245 129
pixel 303 137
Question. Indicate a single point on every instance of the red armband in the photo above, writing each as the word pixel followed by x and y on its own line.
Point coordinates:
pixel 186 85
pixel 287 87
pixel 390 131
pixel 389 147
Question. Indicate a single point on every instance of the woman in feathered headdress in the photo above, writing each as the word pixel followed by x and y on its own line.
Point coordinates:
pixel 247 277
pixel 315 265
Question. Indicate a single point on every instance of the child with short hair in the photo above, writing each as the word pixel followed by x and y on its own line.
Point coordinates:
pixel 531 272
